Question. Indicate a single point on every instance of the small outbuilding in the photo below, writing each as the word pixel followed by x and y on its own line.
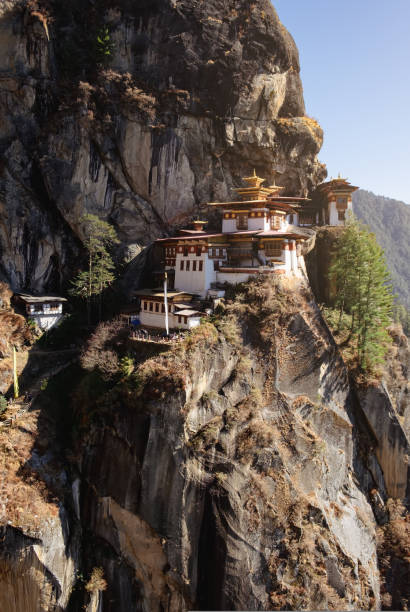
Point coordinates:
pixel 44 310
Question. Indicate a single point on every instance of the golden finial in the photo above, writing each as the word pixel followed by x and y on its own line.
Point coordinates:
pixel 254 173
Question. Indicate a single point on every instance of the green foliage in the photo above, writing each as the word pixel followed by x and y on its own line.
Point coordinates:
pixel 402 315
pixel 105 46
pixel 361 283
pixel 3 404
pixel 126 366
pixel 99 238
pixel 390 221
pixel 31 324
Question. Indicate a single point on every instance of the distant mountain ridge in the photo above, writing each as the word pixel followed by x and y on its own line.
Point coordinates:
pixel 390 220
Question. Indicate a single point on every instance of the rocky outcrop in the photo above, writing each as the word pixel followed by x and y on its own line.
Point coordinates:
pixel 393 447
pixel 193 95
pixel 235 470
pixel 40 551
pixel 38 573
pixel 235 483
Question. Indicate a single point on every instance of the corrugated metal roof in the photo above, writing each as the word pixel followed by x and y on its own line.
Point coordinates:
pixel 35 299
pixel 188 313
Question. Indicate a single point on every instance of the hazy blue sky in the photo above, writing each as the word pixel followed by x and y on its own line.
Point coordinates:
pixel 355 61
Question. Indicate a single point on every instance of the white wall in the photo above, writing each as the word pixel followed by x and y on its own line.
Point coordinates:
pixel 154 319
pixel 190 324
pixel 257 223
pixel 157 319
pixel 228 225
pixel 210 274
pixel 286 256
pixel 333 216
pixel 194 282
pixel 233 277
pixel 294 258
pixel 46 321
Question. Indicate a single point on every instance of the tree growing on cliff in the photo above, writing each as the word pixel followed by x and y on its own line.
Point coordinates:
pixel 89 284
pixel 362 289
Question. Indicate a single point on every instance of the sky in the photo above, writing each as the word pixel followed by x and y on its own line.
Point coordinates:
pixel 355 69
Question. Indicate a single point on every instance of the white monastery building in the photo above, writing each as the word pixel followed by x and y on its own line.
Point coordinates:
pixel 262 233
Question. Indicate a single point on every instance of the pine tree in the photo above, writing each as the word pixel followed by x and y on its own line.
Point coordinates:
pixel 362 289
pixel 99 238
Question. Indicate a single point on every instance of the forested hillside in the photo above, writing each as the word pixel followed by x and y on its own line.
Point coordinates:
pixel 390 221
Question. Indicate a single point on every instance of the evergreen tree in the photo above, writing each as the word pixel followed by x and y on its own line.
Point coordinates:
pixel 99 238
pixel 362 289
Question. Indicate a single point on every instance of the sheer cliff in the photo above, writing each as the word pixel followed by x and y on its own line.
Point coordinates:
pixel 190 95
pixel 233 471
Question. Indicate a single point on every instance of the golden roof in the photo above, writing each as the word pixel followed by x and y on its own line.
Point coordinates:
pixel 254 180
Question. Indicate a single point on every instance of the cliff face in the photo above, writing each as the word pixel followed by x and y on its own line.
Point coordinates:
pixel 235 470
pixel 241 477
pixel 192 95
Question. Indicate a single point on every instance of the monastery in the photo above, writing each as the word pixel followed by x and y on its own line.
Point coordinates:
pixel 262 233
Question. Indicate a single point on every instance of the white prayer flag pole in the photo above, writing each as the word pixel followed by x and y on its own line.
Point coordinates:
pixel 166 302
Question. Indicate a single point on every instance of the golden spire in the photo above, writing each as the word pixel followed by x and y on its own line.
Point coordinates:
pixel 275 189
pixel 254 180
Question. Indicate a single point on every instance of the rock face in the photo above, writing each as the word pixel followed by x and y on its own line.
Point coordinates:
pixel 235 471
pixel 236 479
pixel 192 97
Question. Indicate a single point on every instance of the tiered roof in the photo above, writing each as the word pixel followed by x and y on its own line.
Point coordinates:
pixel 339 185
pixel 256 196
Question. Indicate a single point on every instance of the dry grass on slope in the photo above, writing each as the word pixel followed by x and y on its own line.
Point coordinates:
pixel 25 501
pixel 394 558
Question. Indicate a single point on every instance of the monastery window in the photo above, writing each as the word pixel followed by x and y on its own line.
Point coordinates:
pixel 306 219
pixel 145 305
pixel 273 249
pixel 201 265
pixel 275 222
pixel 185 320
pixel 185 251
pixel 198 251
pixel 162 307
pixel 242 222
pixel 151 306
pixel 194 266
pixel 181 265
pixel 156 307
pixel 221 252
pixel 169 308
pixel 216 265
pixel 341 215
pixel 188 265
pixel 179 319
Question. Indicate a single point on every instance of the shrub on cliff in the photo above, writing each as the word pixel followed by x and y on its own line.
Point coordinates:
pixel 103 349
